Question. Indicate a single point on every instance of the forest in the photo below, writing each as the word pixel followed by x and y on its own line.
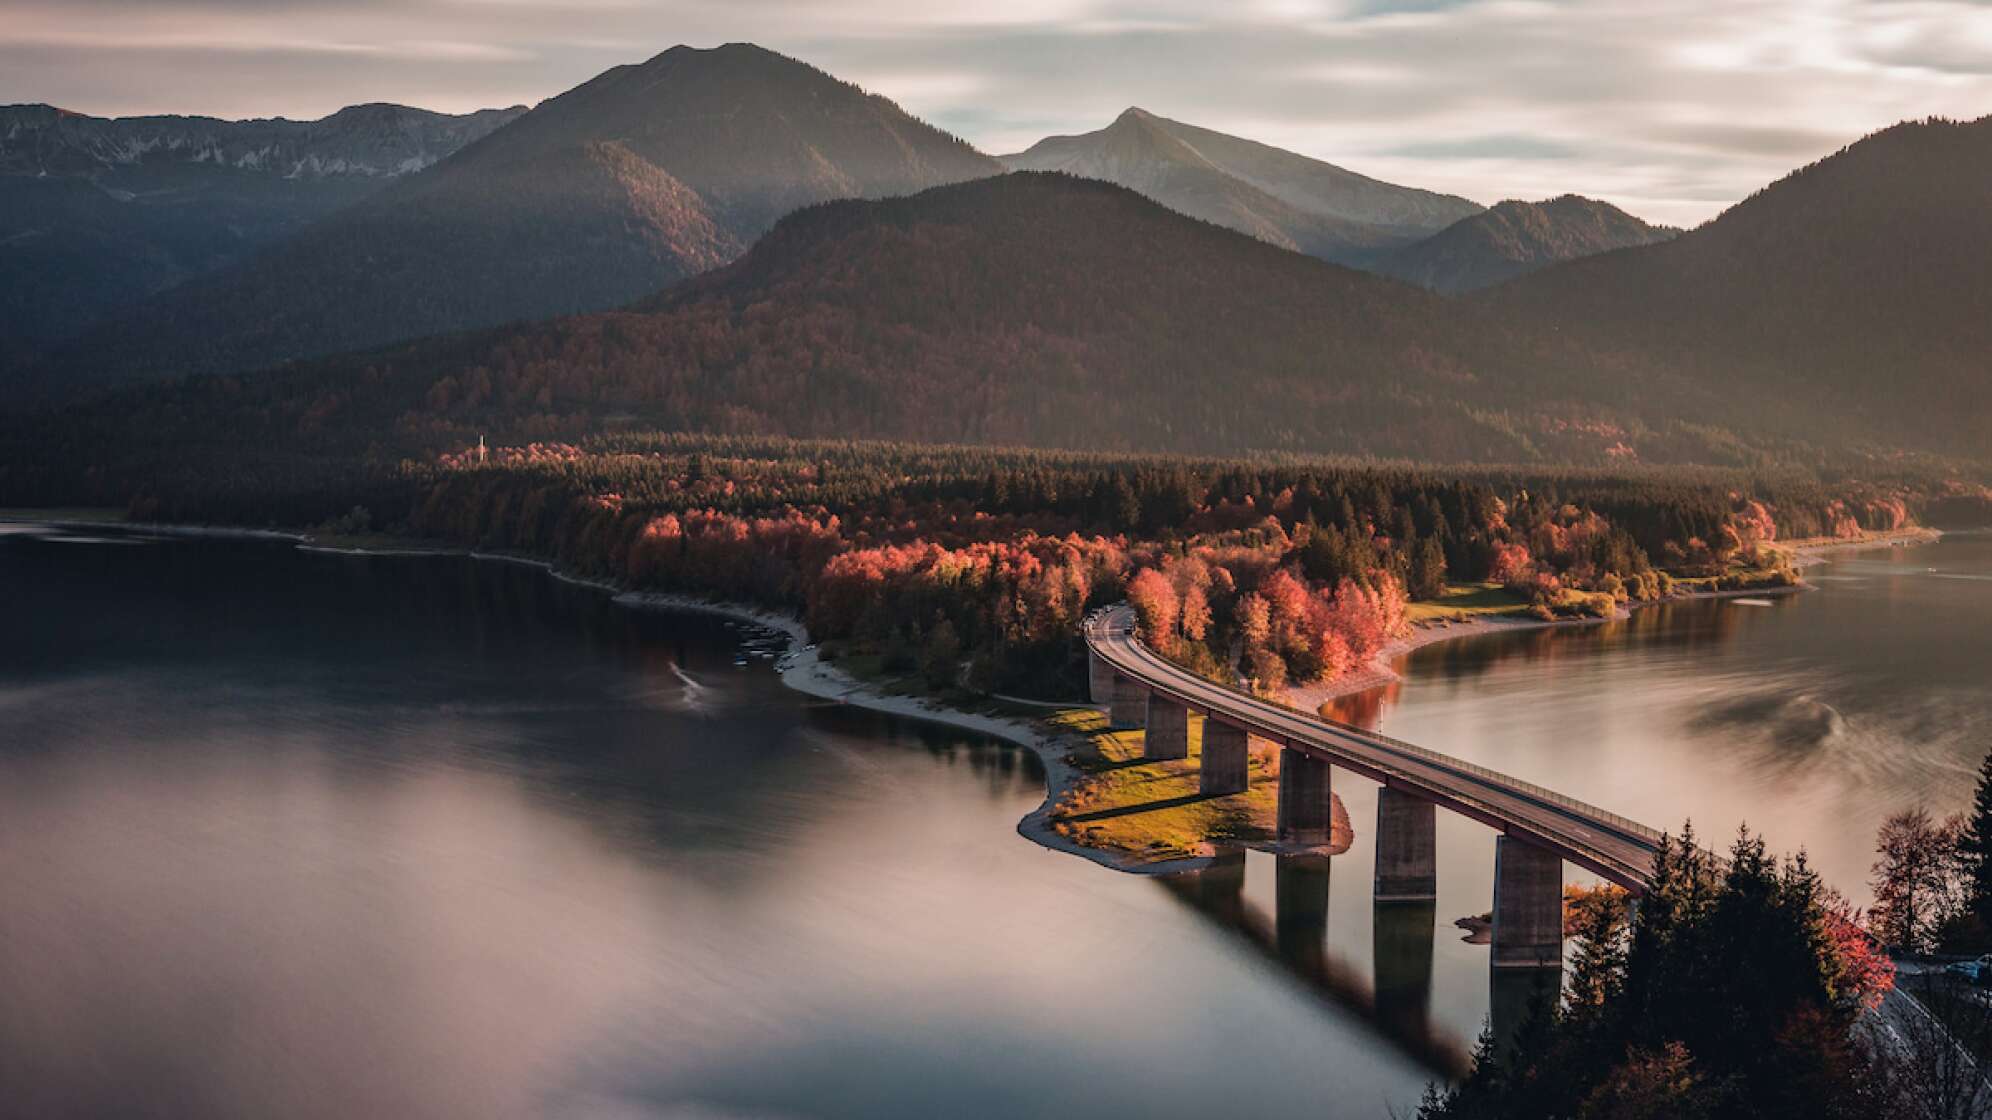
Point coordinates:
pixel 973 566
pixel 1631 1035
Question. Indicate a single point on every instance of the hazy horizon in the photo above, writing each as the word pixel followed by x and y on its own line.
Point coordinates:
pixel 1670 110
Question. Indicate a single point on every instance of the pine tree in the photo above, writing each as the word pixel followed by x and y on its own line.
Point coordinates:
pixel 1975 847
pixel 1597 974
pixel 1428 570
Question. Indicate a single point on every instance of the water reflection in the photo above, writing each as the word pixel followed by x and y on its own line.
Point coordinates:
pixel 1402 950
pixel 1810 717
pixel 304 835
pixel 1295 936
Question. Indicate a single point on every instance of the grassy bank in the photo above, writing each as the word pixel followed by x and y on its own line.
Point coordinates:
pixel 1152 812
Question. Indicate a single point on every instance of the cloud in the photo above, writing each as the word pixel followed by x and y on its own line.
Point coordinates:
pixel 1670 108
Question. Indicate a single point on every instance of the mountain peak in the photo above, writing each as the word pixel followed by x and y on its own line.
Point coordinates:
pixel 647 173
pixel 1515 237
pixel 733 52
pixel 1276 196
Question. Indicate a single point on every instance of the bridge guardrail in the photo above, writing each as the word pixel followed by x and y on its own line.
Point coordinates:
pixel 1425 754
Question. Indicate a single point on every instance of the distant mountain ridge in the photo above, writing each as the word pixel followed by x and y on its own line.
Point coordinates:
pixel 640 177
pixel 1277 196
pixel 1513 238
pixel 1033 308
pixel 367 141
pixel 97 213
pixel 1856 291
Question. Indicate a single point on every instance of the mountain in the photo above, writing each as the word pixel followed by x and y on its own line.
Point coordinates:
pixel 1276 196
pixel 1856 293
pixel 642 176
pixel 147 155
pixel 96 214
pixel 1513 238
pixel 1033 308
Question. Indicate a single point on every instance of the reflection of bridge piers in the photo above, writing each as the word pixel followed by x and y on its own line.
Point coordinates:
pixel 1539 828
pixel 1300 908
pixel 1295 937
pixel 1402 936
pixel 1514 994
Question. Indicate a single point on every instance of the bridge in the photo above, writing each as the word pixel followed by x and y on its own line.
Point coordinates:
pixel 1539 828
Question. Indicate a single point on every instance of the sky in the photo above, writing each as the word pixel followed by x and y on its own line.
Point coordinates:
pixel 1671 109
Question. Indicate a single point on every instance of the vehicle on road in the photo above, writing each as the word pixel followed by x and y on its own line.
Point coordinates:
pixel 1976 972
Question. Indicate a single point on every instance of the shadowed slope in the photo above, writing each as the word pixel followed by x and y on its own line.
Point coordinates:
pixel 1514 238
pixel 640 177
pixel 1859 289
pixel 1028 309
pixel 97 214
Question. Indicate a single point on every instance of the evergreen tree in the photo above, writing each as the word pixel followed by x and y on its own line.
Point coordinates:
pixel 1597 973
pixel 1427 577
pixel 1975 847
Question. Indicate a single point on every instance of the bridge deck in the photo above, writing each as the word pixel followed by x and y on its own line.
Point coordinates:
pixel 1610 845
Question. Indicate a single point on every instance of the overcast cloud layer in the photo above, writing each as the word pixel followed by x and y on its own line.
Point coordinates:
pixel 1669 108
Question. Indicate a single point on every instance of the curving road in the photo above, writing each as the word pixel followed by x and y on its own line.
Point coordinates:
pixel 1612 846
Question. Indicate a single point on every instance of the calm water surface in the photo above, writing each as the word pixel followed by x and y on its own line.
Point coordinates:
pixel 1810 717
pixel 297 834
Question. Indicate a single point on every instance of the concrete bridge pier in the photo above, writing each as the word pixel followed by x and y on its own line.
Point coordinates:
pixel 1168 724
pixel 1306 814
pixel 1129 705
pixel 1407 848
pixel 1528 905
pixel 1226 762
pixel 1099 678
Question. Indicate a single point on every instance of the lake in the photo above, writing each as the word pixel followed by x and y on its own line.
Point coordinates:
pixel 318 835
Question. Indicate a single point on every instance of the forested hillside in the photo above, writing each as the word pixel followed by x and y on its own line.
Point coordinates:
pixel 1028 309
pixel 609 192
pixel 1515 238
pixel 1855 291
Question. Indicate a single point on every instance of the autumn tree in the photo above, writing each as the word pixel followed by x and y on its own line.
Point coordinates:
pixel 1914 879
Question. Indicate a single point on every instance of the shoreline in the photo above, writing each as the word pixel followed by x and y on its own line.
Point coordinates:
pixel 1804 553
pixel 1810 551
pixel 1382 670
pixel 801 669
